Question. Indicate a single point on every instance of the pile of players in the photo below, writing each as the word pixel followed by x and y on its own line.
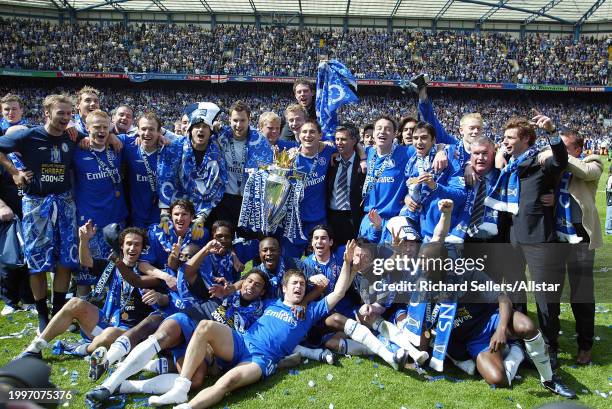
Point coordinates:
pixel 170 293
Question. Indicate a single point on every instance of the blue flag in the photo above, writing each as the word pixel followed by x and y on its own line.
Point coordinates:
pixel 334 82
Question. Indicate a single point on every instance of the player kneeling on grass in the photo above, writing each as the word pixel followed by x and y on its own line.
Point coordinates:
pixel 255 354
pixel 485 321
pixel 122 309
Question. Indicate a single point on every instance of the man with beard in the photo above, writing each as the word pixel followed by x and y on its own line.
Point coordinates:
pixel 123 307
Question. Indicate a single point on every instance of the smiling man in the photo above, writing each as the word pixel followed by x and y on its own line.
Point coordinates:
pixel 304 99
pixel 50 242
pixel 123 120
pixel 142 171
pixel 244 149
pixel 88 100
pixel 254 355
pixel 193 167
pixel 12 112
pixel 516 195
pixel 426 186
pixel 123 307
pixel 344 186
pixel 98 189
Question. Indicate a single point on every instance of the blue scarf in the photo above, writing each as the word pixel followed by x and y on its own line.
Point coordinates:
pixel 563 212
pixel 79 124
pixel 258 152
pixel 489 222
pixel 241 317
pixel 415 317
pixel 445 313
pixel 421 192
pixel 274 289
pixel 506 193
pixel 203 185
pixel 118 296
pixel 4 124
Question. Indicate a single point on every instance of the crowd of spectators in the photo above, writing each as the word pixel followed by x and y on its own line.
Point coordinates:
pixel 279 51
pixel 586 118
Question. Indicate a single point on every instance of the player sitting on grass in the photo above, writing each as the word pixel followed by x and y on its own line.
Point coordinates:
pixel 123 307
pixel 255 354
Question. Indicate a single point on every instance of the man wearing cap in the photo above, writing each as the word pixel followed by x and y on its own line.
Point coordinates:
pixel 193 168
pixel 244 150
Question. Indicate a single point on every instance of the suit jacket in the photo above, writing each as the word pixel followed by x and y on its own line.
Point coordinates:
pixel 535 223
pixel 583 188
pixel 355 199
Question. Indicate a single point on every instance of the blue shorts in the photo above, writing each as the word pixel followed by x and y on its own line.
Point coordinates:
pixel 242 354
pixel 187 327
pixel 481 342
pixel 101 325
pixel 50 232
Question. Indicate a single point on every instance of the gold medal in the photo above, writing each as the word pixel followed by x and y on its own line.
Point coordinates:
pixel 413 181
pixel 117 193
pixel 124 316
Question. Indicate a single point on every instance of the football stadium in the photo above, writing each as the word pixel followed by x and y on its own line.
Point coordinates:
pixel 306 204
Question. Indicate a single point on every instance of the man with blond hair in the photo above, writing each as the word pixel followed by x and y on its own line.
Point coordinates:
pixel 295 116
pixel 98 189
pixel 470 128
pixel 49 212
pixel 269 124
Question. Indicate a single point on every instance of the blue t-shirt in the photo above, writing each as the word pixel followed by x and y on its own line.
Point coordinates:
pixel 331 269
pixel 312 207
pixel 277 333
pixel 143 196
pixel 48 157
pixel 389 190
pixel 95 190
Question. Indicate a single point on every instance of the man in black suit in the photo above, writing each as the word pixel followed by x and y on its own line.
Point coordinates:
pixel 531 226
pixel 344 185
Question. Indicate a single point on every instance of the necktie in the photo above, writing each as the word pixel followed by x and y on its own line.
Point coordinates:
pixel 342 193
pixel 478 208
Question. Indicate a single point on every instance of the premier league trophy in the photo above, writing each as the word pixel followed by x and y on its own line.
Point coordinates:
pixel 272 198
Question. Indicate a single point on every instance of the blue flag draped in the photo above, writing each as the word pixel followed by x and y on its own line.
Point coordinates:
pixel 334 82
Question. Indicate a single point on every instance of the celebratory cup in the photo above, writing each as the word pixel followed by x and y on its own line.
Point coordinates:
pixel 276 195
pixel 278 188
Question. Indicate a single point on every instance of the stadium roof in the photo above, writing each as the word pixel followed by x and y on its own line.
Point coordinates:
pixel 527 11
